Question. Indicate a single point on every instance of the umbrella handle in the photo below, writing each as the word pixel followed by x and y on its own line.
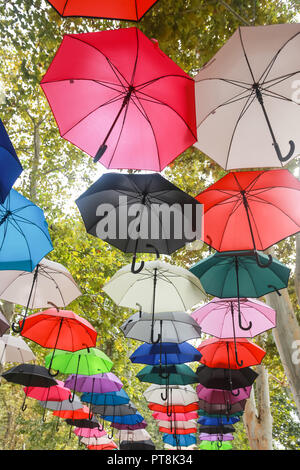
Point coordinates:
pixel 139 269
pixel 24 407
pixel 149 245
pixel 152 336
pixel 235 394
pixel 219 444
pixel 276 290
pixel 163 376
pixel 17 328
pixel 289 155
pixel 53 374
pixel 111 435
pixel 261 265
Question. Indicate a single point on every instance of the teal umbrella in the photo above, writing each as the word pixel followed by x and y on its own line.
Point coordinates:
pixel 237 274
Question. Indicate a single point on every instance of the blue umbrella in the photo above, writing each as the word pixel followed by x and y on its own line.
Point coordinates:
pixel 126 419
pixel 165 353
pixel 217 421
pixel 180 440
pixel 10 166
pixel 110 399
pixel 24 236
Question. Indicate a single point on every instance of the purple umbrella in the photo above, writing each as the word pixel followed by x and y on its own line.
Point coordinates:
pixel 130 427
pixel 222 397
pixel 203 436
pixel 99 383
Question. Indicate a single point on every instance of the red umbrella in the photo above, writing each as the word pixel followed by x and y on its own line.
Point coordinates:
pixel 111 446
pixel 251 210
pixel 59 329
pixel 119 98
pixel 221 353
pixel 81 413
pixel 130 10
pixel 174 408
pixel 176 430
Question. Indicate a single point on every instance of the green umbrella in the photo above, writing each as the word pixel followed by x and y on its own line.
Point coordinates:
pixel 88 361
pixel 215 445
pixel 236 274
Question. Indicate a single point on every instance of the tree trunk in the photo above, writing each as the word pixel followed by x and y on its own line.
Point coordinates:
pixel 287 339
pixel 257 416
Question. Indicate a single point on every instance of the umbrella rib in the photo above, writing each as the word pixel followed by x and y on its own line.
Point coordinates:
pixel 279 79
pixel 272 94
pixel 243 111
pixel 120 133
pixel 245 55
pixel 273 60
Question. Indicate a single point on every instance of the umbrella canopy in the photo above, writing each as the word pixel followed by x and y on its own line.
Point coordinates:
pixel 180 440
pixel 60 329
pixel 111 398
pixel 133 10
pixel 177 424
pixel 217 410
pixel 225 379
pixel 55 393
pixel 137 445
pixel 80 413
pixel 178 430
pixel 91 423
pixel 117 410
pixel 177 289
pixel 170 327
pixel 14 349
pixel 64 405
pixel 98 383
pixel 222 353
pixel 236 274
pixel 112 109
pixel 134 435
pixel 165 353
pixel 29 375
pixel 111 446
pixel 213 421
pixel 50 282
pixel 179 395
pixel 175 374
pixel 190 415
pixel 214 445
pixel 24 236
pixel 88 432
pixel 222 397
pixel 251 210
pixel 149 195
pixel 171 408
pixel 96 441
pixel 125 419
pixel 220 317
pixel 243 95
pixel 130 427
pixel 90 361
pixel 220 430
pixel 10 166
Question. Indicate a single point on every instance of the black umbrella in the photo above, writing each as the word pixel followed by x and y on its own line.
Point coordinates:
pixel 226 379
pixel 137 445
pixel 220 430
pixel 222 409
pixel 146 195
pixel 29 375
pixel 84 423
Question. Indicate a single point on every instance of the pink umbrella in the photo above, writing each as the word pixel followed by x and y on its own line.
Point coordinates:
pixel 220 318
pixel 222 397
pixel 89 432
pixel 57 393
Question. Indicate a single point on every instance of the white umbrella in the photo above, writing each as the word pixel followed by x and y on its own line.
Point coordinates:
pixel 169 327
pixel 134 435
pixel 158 287
pixel 247 111
pixel 179 395
pixel 14 349
pixel 177 424
pixel 49 283
pixel 95 441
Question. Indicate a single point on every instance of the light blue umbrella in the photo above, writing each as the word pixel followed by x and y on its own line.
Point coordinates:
pixel 111 399
pixel 180 440
pixel 24 236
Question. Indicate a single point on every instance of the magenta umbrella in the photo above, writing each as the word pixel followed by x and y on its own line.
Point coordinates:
pixel 89 432
pixel 222 397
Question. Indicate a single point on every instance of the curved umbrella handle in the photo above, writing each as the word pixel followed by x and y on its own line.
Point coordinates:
pixel 149 245
pixel 152 335
pixel 289 155
pixel 24 407
pixel 261 265
pixel 17 328
pixel 139 269
pixel 111 435
pixel 235 394
pixel 219 444
pixel 53 305
pixel 164 397
pixel 53 374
